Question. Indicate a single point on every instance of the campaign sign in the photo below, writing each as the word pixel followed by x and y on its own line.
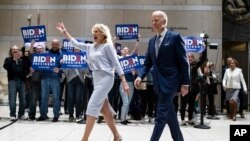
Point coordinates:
pixel 141 59
pixel 36 33
pixel 127 31
pixel 88 42
pixel 130 63
pixel 239 132
pixel 67 45
pixel 194 44
pixel 44 61
pixel 74 60
pixel 118 48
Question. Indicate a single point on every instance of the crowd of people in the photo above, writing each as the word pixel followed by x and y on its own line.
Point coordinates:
pixel 103 91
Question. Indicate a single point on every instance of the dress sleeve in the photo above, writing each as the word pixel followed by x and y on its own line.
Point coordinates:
pixel 79 45
pixel 113 57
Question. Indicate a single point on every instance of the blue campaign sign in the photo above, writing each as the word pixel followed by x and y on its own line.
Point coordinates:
pixel 36 33
pixel 130 63
pixel 74 60
pixel 44 61
pixel 67 45
pixel 194 44
pixel 127 31
pixel 118 48
pixel 141 59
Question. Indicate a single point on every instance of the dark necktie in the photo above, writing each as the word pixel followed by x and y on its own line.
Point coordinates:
pixel 157 44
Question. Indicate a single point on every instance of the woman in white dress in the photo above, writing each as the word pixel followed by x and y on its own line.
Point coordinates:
pixel 103 61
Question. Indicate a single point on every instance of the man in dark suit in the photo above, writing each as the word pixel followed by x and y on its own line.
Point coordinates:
pixel 167 55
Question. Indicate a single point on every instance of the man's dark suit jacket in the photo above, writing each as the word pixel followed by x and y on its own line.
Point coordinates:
pixel 171 67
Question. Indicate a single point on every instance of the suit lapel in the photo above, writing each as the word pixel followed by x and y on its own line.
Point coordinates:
pixel 165 39
pixel 153 47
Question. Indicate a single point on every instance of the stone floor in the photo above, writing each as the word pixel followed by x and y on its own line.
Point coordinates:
pixel 25 130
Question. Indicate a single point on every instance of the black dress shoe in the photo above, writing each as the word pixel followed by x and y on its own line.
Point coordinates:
pixel 71 119
pixel 213 117
pixel 210 117
pixel 100 119
pixel 216 118
pixel 55 119
pixel 190 122
pixel 124 122
pixel 41 119
pixel 242 115
pixel 128 122
pixel 32 118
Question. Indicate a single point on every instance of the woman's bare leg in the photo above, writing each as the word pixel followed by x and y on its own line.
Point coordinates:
pixel 110 121
pixel 88 128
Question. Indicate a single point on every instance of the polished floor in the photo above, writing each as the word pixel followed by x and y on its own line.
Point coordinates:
pixel 25 130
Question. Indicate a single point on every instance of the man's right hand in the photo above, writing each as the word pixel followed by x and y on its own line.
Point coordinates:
pixel 31 70
pixel 16 56
pixel 60 27
pixel 137 82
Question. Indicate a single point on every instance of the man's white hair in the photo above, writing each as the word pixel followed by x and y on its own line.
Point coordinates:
pixel 161 14
pixel 14 47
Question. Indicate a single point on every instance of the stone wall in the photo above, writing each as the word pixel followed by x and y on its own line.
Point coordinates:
pixel 188 17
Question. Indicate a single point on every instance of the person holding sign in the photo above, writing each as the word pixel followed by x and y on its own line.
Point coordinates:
pixel 35 81
pixel 50 82
pixel 167 55
pixel 103 61
pixel 75 78
pixel 126 99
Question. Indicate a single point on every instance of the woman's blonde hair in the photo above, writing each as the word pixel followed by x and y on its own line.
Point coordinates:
pixel 234 61
pixel 104 30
